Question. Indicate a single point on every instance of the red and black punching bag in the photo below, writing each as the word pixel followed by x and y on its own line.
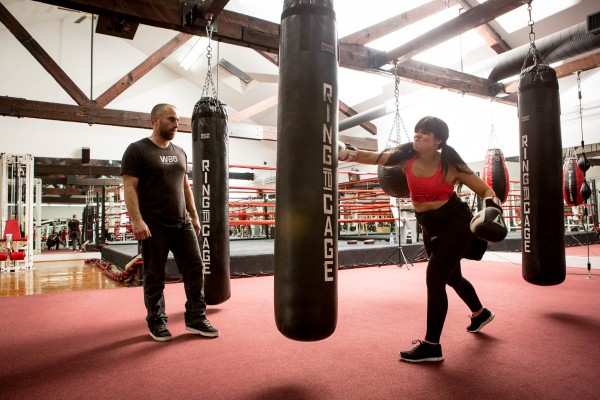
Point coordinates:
pixel 306 223
pixel 393 181
pixel 542 207
pixel 211 195
pixel 572 180
pixel 495 173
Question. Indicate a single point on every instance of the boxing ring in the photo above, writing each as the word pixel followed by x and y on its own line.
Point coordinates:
pixel 255 257
pixel 366 217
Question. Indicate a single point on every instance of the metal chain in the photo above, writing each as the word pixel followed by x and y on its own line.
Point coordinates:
pixel 530 23
pixel 581 118
pixel 492 139
pixel 537 57
pixel 580 108
pixel 208 82
pixel 585 208
pixel 398 122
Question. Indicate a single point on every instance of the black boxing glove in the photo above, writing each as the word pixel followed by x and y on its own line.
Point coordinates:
pixel 347 152
pixel 488 224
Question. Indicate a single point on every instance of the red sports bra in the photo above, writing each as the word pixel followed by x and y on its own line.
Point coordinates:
pixel 426 190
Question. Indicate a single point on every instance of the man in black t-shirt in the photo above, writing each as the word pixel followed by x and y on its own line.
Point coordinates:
pixel 164 217
pixel 74 232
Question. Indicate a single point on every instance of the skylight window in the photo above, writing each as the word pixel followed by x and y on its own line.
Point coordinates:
pixel 517 18
pixel 408 33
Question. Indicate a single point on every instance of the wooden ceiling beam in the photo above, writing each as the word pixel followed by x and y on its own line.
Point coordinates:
pixel 22 108
pixel 146 66
pixel 216 7
pixel 263 35
pixel 256 108
pixel 582 63
pixel 21 34
pixel 445 78
pixel 231 27
pixel 491 37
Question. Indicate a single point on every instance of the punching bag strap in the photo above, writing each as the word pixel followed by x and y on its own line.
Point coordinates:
pixel 308 10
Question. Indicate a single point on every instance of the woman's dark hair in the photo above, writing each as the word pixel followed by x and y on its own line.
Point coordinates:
pixel 399 154
pixel 434 125
pixel 440 130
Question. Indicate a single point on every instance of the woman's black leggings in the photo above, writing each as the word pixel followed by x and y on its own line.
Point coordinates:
pixel 447 239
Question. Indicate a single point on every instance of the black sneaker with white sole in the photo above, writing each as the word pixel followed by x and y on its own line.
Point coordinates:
pixel 423 352
pixel 160 333
pixel 202 327
pixel 478 322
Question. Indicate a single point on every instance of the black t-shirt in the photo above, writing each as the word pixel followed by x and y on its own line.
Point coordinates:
pixel 73 225
pixel 160 172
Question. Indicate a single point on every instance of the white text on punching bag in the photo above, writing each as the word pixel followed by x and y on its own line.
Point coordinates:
pixel 329 256
pixel 205 211
pixel 525 196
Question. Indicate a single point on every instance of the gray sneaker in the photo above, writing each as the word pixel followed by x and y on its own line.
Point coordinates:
pixel 202 327
pixel 160 333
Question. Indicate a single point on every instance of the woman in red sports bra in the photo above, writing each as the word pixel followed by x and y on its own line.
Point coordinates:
pixel 433 169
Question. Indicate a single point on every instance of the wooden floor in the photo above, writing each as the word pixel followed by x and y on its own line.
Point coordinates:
pixel 71 275
pixel 53 277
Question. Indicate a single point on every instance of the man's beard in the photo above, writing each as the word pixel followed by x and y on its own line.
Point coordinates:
pixel 167 134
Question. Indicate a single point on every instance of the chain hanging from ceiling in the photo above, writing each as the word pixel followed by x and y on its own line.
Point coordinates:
pixel 584 164
pixel 209 84
pixel 398 121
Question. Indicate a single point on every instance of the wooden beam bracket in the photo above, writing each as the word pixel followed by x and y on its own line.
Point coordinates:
pixel 194 13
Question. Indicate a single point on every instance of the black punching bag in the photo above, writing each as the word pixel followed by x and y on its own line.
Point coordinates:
pixel 211 195
pixel 306 225
pixel 393 181
pixel 542 207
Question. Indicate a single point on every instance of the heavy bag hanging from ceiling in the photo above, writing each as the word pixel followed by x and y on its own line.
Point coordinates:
pixel 572 180
pixel 211 195
pixel 306 224
pixel 495 173
pixel 542 207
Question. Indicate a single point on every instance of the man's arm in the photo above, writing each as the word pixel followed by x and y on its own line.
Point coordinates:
pixel 139 227
pixel 190 205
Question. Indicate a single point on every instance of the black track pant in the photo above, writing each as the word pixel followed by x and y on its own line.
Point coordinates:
pixel 183 243
pixel 448 238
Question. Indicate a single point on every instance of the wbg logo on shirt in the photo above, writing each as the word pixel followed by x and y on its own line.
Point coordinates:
pixel 168 159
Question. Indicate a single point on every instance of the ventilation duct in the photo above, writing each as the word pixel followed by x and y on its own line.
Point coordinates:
pixel 387 108
pixel 559 46
pixel 593 23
